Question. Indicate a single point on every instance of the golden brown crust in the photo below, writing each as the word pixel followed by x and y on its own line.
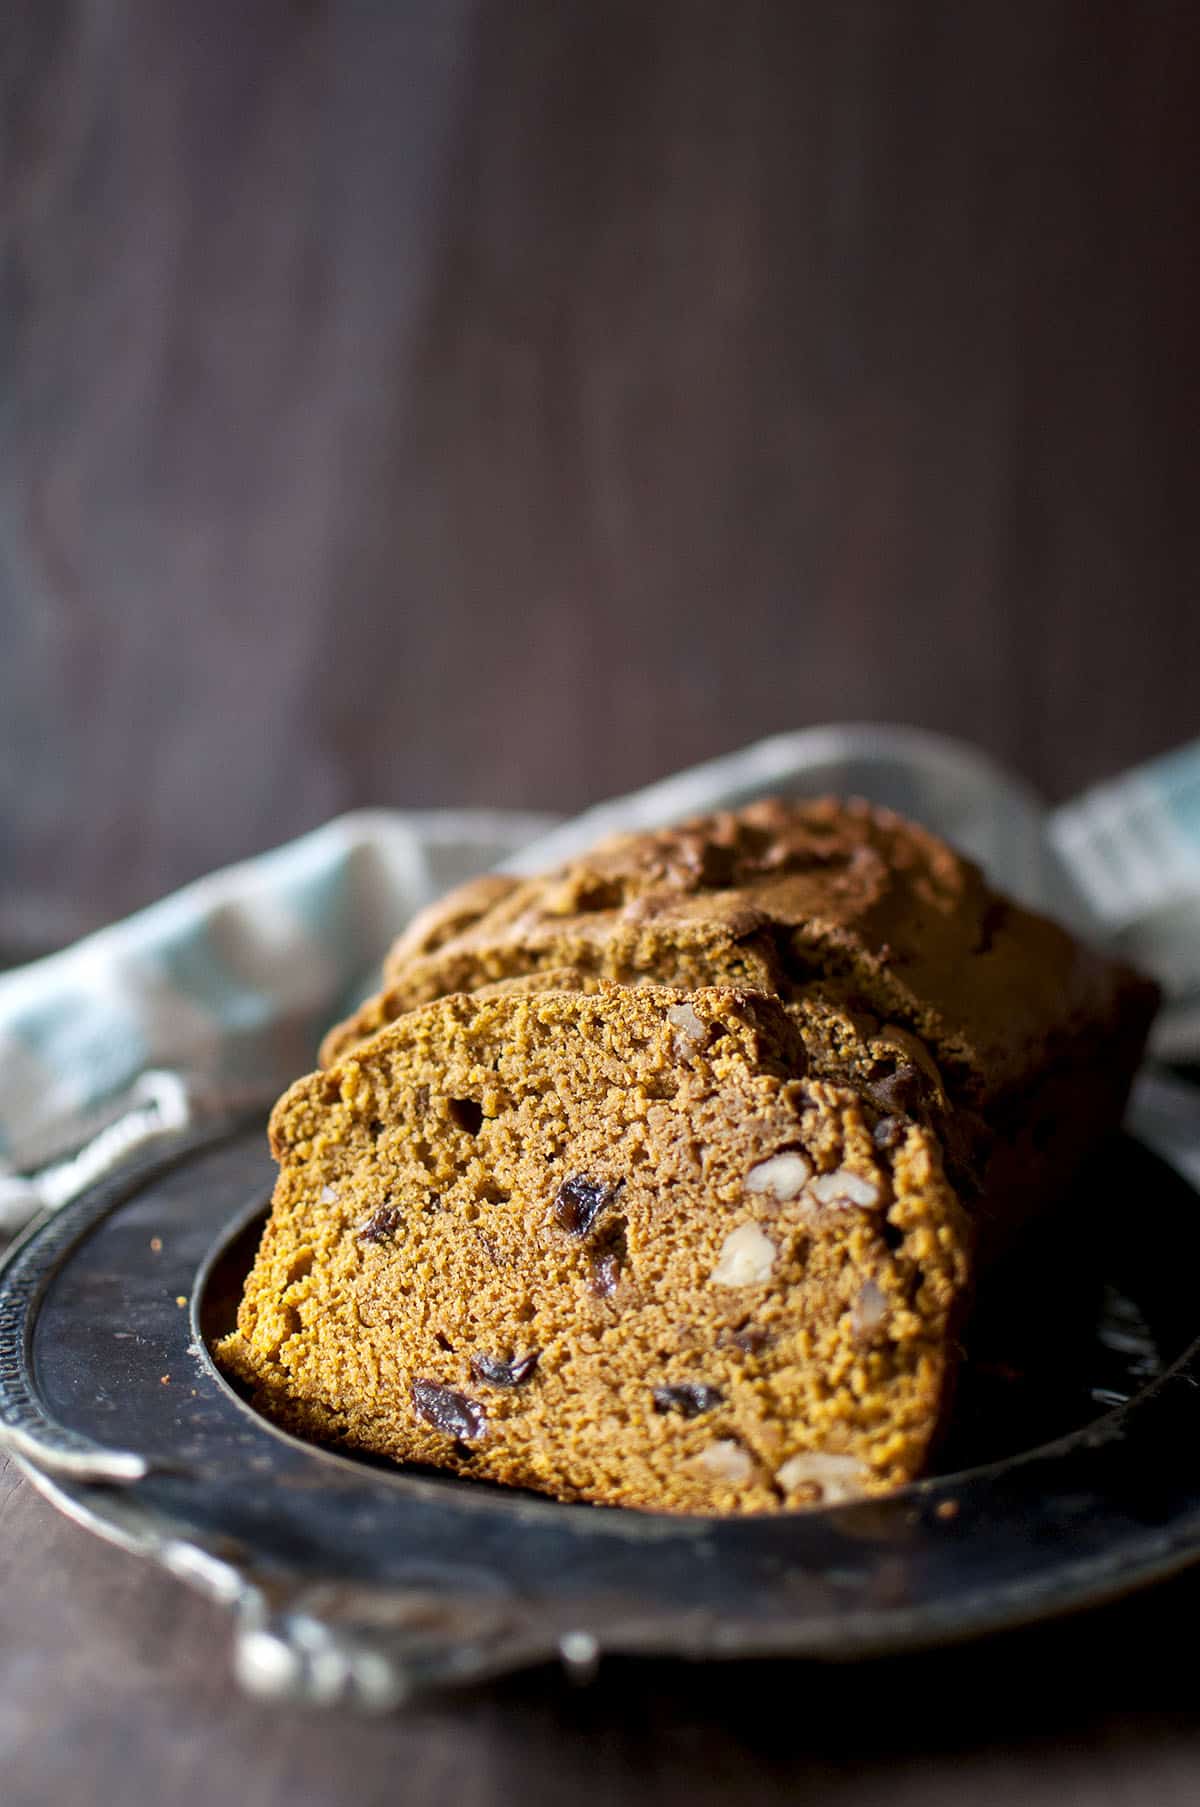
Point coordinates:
pixel 448 917
pixel 786 897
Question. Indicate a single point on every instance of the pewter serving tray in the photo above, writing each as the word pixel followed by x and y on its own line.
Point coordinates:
pixel 1069 1476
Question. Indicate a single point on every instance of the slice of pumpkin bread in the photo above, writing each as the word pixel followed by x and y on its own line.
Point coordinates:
pixel 617 1245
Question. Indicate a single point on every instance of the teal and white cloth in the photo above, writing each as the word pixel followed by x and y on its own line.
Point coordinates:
pixel 215 998
pixel 1133 848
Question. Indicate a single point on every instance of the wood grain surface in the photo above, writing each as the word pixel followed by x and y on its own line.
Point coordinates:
pixel 116 1688
pixel 422 403
pixel 468 402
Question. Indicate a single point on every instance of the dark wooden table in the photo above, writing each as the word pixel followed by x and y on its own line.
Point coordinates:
pixel 450 402
pixel 116 1688
pixel 467 402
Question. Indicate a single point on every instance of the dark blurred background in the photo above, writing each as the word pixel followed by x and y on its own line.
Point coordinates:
pixel 465 402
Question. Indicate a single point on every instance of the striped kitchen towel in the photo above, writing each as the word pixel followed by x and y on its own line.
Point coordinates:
pixel 215 998
pixel 1133 848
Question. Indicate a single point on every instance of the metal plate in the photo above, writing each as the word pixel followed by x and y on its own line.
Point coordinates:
pixel 356 1581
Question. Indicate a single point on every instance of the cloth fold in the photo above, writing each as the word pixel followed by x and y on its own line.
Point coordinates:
pixel 215 998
